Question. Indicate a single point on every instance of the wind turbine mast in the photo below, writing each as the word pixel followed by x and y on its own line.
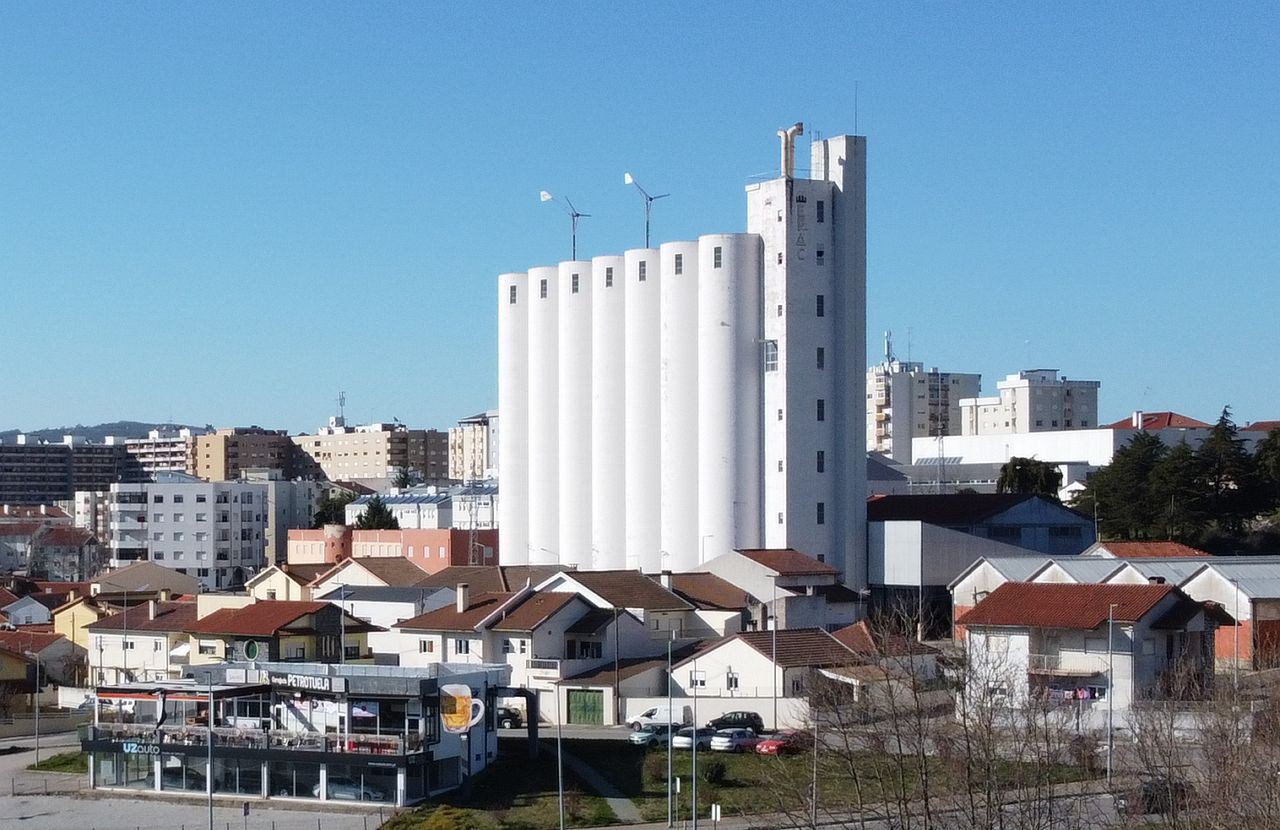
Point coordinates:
pixel 627 178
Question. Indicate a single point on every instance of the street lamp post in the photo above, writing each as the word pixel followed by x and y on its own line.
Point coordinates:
pixel 773 657
pixel 208 779
pixel 37 702
pixel 559 760
pixel 670 734
pixel 1235 663
pixel 1111 688
pixel 693 795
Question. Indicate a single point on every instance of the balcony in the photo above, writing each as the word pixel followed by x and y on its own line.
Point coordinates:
pixel 355 744
pixel 1067 664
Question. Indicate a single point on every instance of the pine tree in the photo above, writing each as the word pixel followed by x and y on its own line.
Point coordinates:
pixel 1227 477
pixel 1029 475
pixel 377 516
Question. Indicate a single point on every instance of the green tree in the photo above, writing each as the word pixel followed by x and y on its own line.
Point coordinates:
pixel 1120 494
pixel 403 479
pixel 1266 462
pixel 1176 494
pixel 332 510
pixel 1227 475
pixel 377 516
pixel 1029 475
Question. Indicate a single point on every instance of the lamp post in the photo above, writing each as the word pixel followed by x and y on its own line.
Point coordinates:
pixel 773 657
pixel 1111 684
pixel 671 732
pixel 36 699
pixel 208 770
pixel 693 683
pixel 1235 663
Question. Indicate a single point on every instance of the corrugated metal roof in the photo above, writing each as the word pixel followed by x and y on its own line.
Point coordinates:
pixel 1088 570
pixel 406 498
pixel 1258 578
pixel 1172 571
pixel 1017 568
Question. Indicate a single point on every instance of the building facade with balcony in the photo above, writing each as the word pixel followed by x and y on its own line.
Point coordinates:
pixel 377 451
pixel 143 643
pixel 307 731
pixel 904 401
pixel 282 631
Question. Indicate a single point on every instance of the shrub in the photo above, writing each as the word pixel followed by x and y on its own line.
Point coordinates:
pixel 655 766
pixel 714 771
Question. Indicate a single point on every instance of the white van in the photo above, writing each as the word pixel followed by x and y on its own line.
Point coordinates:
pixel 675 714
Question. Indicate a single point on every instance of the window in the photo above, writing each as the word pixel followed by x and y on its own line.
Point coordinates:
pixel 822 358
pixel 1055 423
pixel 298 652
pixel 822 461
pixel 271 593
pixel 779 414
pixel 177 499
pixel 771 355
pixel 461 646
pixel 779 309
pixel 822 210
pixel 157 517
pixel 157 499
pixel 507 647
pixel 779 465
pixel 731 680
pixel 679 264
pixel 178 535
pixel 1065 532
pixel 1004 532
pixel 716 258
pixel 202 517
pixel 426 646
pixel 207 648
pixel 779 257
pixel 1097 692
pixel 820 256
pixel 822 410
pixel 159 554
pixel 1067 424
pixel 129 644
pixel 697 679
pixel 248 498
pixel 608 277
pixel 822 305
pixel 156 535
pixel 644 270
pixel 779 216
pixel 201 499
pixel 797 686
pixel 524 646
pixel 573 284
pixel 155 645
pixel 542 289
pixel 1084 423
pixel 822 512
pixel 590 651
pixel 1039 423
pixel 511 295
pixel 178 517
pixel 779 518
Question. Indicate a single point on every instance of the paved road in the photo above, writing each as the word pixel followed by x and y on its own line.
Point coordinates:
pixel 78 809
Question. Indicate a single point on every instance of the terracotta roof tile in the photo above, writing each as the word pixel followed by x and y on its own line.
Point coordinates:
pixel 1159 420
pixel 788 561
pixel 708 591
pixel 1065 605
pixel 1144 550
pixel 170 616
pixel 629 589
pixel 258 619
pixel 532 611
pixel 24 640
pixel 1261 426
pixel 61 536
pixel 448 618
pixel 861 639
pixel 796 647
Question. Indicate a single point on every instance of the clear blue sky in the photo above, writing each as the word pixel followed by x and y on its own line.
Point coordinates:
pixel 227 212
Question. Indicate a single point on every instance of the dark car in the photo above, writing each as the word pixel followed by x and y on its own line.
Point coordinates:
pixel 1165 796
pixel 510 717
pixel 738 720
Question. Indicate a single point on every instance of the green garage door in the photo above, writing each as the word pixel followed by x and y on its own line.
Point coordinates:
pixel 586 706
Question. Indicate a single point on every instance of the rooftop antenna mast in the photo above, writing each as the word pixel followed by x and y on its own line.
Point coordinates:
pixel 574 216
pixel 627 178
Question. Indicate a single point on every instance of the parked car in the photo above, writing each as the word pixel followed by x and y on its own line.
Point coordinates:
pixel 655 734
pixel 676 714
pixel 684 738
pixel 510 717
pixel 738 720
pixel 349 789
pixel 734 740
pixel 786 742
pixel 1156 795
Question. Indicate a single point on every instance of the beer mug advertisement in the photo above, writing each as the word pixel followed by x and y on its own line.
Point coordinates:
pixel 459 711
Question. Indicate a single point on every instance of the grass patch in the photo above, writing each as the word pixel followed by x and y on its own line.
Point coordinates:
pixel 63 762
pixel 514 793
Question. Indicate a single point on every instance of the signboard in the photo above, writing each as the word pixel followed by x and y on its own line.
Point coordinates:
pixel 307 682
pixel 139 748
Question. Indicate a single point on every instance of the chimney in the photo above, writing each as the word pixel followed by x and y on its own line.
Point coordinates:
pixel 151 609
pixel 73 595
pixel 1136 419
pixel 165 594
pixel 1155 580
pixel 464 596
pixel 44 511
pixel 665 579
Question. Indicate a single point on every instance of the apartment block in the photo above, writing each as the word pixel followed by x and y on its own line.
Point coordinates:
pixel 904 401
pixel 225 453
pixel 376 451
pixel 1033 400
pixel 165 450
pixel 33 472
pixel 473 447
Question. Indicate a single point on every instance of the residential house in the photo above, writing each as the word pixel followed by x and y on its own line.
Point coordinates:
pixel 387 606
pixel 789 588
pixel 142 577
pixel 401 573
pixel 280 631
pixel 60 660
pixel 147 641
pixel 285 581
pixel 490 579
pixel 33 609
pixel 720 607
pixel 1248 588
pixel 888 650
pixel 17 679
pixel 1076 644
pixel 664 614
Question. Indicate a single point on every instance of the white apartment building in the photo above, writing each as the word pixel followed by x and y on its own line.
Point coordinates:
pixel 290 505
pixel 213 531
pixel 165 450
pixel 473 447
pixel 904 402
pixel 1033 400
pixel 666 406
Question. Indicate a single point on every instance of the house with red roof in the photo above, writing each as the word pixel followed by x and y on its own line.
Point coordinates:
pixel 280 631
pixel 1078 644
pixel 146 641
pixel 789 587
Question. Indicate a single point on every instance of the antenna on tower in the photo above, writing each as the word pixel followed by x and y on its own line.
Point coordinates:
pixel 908 344
pixel 342 405
pixel 855 107
pixel 574 216
pixel 888 347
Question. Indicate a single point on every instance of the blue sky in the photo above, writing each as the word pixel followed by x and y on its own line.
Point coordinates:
pixel 228 212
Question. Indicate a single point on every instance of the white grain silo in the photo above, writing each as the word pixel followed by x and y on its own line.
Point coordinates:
pixel 608 436
pixel 544 408
pixel 678 396
pixel 513 401
pixel 642 284
pixel 574 385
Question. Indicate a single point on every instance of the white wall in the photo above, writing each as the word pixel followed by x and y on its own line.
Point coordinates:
pixel 642 413
pixel 573 352
pixel 608 407
pixel 679 394
pixel 513 404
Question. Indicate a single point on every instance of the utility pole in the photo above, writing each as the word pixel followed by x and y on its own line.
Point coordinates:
pixel 671 732
pixel 208 779
pixel 1111 687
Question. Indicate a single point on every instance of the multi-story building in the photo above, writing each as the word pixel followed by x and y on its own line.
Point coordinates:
pixel 165 450
pixel 224 454
pixel 672 404
pixel 377 451
pixel 1033 400
pixel 473 447
pixel 290 505
pixel 42 473
pixel 91 510
pixel 214 531
pixel 904 401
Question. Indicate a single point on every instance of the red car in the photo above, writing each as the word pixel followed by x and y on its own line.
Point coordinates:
pixel 785 742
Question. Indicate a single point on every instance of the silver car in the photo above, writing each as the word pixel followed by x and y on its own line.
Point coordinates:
pixel 684 738
pixel 734 740
pixel 655 734
pixel 349 789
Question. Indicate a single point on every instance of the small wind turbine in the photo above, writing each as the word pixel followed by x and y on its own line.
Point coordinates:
pixel 574 216
pixel 627 178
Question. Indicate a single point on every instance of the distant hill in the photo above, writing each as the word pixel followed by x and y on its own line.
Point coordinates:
pixel 97 432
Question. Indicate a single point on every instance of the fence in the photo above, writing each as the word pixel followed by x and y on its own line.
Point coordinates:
pixel 50 722
pixel 54 784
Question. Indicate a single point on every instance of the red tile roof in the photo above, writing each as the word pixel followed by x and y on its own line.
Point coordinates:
pixel 1148 550
pixel 33 511
pixel 170 616
pixel 61 536
pixel 708 591
pixel 1159 420
pixel 6 597
pixel 629 589
pixel 24 640
pixel 796 647
pixel 1064 605
pixel 874 646
pixel 22 528
pixel 1261 426
pixel 258 619
pixel 394 571
pixel 448 618
pixel 532 612
pixel 788 561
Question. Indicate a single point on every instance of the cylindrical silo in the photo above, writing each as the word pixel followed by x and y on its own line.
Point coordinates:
pixel 608 436
pixel 729 374
pixel 574 441
pixel 544 427
pixel 513 408
pixel 678 395
pixel 642 283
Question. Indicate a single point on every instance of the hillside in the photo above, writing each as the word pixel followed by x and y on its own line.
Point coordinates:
pixel 96 432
